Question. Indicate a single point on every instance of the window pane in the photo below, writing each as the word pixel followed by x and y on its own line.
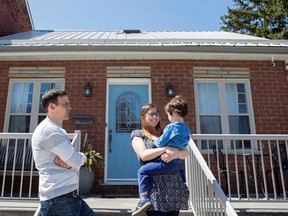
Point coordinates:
pixel 45 87
pixel 241 98
pixel 243 108
pixel 210 125
pixel 236 98
pixel 208 96
pixel 19 124
pixel 239 125
pixel 50 85
pixel 21 101
pixel 241 87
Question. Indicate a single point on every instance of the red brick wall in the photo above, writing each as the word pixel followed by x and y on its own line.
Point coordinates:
pixel 4 82
pixel 268 86
pixel 269 94
pixel 14 17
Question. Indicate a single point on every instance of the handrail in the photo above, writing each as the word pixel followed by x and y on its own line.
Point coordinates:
pixel 18 180
pixel 240 136
pixel 205 188
pixel 251 156
pixel 76 141
pixel 206 195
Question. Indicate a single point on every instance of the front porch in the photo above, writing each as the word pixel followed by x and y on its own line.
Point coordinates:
pixel 125 206
pixel 101 206
pixel 260 189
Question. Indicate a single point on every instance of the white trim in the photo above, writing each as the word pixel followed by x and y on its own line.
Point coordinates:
pixel 120 81
pixel 30 15
pixel 132 55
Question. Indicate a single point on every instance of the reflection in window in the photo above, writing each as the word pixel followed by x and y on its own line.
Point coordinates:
pixel 127 113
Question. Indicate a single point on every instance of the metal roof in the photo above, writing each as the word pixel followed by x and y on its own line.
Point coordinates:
pixel 133 41
pixel 145 38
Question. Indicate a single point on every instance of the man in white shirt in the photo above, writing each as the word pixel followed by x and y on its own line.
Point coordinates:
pixel 57 161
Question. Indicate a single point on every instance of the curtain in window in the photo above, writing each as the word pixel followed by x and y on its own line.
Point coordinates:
pixel 20 109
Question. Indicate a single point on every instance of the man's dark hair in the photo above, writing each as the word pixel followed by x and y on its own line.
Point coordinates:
pixel 51 96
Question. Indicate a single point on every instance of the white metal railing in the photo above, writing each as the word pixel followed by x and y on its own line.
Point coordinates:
pixel 248 167
pixel 206 195
pixel 18 175
pixel 249 161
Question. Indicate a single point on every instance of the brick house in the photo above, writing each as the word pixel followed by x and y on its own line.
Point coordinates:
pixel 233 84
pixel 15 17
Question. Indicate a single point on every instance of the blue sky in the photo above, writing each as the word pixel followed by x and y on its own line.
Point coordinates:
pixel 154 15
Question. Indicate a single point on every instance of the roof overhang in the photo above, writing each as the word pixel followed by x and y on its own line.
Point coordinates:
pixel 34 53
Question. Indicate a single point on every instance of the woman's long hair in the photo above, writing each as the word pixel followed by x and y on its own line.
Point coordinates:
pixel 148 130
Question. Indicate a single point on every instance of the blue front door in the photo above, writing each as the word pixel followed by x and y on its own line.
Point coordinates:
pixel 125 102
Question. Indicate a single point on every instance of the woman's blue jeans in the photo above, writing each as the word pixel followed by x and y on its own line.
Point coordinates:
pixel 65 205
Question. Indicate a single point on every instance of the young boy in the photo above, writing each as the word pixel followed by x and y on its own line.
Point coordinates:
pixel 177 135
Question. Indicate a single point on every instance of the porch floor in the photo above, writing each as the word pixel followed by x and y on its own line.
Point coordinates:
pixel 125 206
pixel 263 207
pixel 102 206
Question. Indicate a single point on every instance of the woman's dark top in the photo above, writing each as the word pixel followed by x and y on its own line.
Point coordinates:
pixel 170 193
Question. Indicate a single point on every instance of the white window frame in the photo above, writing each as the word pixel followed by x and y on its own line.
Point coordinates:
pixel 35 100
pixel 223 107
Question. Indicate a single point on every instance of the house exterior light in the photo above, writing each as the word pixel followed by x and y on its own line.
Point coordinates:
pixel 87 90
pixel 170 92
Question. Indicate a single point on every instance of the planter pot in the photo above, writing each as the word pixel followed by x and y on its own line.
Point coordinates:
pixel 86 180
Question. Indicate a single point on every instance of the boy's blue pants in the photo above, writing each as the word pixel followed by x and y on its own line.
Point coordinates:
pixel 145 183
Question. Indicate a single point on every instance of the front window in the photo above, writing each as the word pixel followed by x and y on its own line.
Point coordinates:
pixel 25 111
pixel 223 107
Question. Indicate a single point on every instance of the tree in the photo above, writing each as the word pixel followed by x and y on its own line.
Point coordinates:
pixel 261 18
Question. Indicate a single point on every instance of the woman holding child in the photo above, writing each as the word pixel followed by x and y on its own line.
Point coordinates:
pixel 169 193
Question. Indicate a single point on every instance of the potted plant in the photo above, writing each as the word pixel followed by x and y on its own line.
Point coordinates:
pixel 94 159
pixel 87 175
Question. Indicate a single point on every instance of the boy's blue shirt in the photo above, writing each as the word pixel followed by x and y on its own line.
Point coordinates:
pixel 176 134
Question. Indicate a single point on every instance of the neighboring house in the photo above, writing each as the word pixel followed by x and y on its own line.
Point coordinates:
pixel 14 17
pixel 233 84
